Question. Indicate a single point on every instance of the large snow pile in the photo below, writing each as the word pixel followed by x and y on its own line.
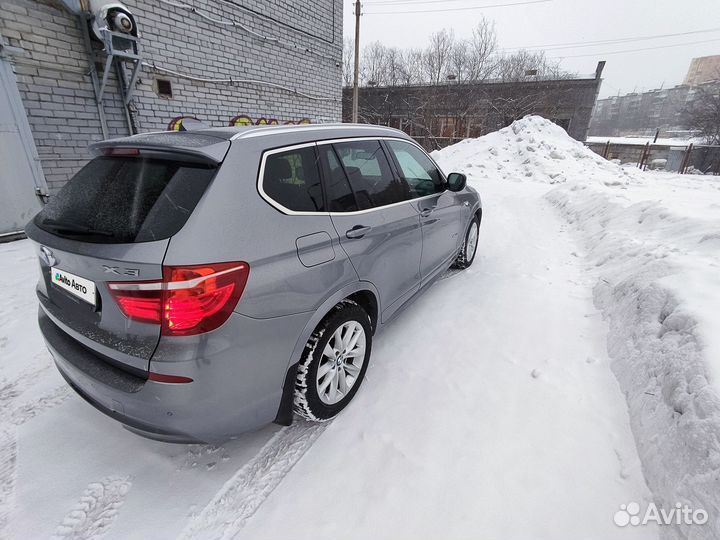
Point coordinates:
pixel 653 249
pixel 531 148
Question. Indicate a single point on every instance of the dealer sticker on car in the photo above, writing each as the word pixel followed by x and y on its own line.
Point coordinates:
pixel 83 288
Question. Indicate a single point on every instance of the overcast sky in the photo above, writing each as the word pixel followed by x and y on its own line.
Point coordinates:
pixel 561 22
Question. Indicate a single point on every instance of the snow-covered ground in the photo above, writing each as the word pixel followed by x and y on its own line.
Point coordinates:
pixel 491 408
pixel 651 246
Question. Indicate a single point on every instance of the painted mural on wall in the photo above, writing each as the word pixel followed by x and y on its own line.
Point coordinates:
pixel 184 123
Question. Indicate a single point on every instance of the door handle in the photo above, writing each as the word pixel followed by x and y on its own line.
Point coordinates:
pixel 425 212
pixel 358 231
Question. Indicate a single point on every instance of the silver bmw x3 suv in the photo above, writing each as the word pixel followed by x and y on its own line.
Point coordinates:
pixel 195 285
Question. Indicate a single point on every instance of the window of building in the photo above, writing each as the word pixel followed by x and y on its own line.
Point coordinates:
pixel 369 173
pixel 164 88
pixel 291 179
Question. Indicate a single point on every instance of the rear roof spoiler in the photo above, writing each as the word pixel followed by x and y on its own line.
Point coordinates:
pixel 194 146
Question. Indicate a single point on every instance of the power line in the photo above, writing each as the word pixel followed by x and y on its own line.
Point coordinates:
pixel 457 9
pixel 638 50
pixel 578 44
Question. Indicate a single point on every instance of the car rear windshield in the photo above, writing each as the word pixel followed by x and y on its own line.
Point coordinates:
pixel 116 200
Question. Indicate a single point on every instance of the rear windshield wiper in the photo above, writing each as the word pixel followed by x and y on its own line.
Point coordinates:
pixel 74 228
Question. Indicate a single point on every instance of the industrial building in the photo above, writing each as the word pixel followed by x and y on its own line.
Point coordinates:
pixel 437 115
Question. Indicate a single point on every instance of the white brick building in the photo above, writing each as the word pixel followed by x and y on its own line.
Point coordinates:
pixel 292 52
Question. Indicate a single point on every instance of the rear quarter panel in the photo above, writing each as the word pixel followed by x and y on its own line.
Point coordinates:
pixel 233 223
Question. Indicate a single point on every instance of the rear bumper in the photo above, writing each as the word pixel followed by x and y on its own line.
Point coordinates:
pixel 132 424
pixel 237 375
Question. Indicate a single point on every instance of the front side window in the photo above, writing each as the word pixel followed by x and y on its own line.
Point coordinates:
pixel 416 169
pixel 291 179
pixel 369 173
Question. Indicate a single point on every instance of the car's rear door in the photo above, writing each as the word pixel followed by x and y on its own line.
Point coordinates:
pixel 379 230
pixel 438 207
pixel 112 223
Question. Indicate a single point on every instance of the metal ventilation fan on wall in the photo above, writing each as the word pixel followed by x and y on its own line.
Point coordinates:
pixel 113 25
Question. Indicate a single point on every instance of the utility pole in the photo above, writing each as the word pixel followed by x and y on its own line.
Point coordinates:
pixel 357 62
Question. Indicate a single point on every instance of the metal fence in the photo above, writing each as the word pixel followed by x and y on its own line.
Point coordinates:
pixel 683 159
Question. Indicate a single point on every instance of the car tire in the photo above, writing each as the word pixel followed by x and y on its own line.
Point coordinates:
pixel 466 256
pixel 333 363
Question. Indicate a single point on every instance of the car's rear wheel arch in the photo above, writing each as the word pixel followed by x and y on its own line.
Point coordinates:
pixel 363 294
pixel 325 384
pixel 366 299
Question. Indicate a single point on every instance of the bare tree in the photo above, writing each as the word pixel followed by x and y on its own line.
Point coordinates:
pixel 374 64
pixel 437 55
pixel 526 65
pixel 469 60
pixel 483 49
pixel 394 66
pixel 413 66
pixel 460 64
pixel 703 112
pixel 348 60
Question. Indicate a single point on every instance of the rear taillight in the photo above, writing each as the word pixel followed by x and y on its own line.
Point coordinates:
pixel 189 300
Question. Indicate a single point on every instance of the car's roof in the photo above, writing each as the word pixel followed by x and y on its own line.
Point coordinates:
pixel 308 131
pixel 214 142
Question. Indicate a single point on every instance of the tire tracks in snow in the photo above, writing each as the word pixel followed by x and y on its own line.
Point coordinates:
pixel 95 511
pixel 13 388
pixel 27 411
pixel 10 418
pixel 242 495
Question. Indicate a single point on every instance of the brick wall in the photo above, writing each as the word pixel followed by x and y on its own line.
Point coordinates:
pixel 442 114
pixel 56 88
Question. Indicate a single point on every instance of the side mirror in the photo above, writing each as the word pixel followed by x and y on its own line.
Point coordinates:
pixel 456 181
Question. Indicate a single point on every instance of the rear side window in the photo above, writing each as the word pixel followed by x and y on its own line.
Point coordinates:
pixel 337 188
pixel 292 179
pixel 369 173
pixel 116 200
pixel 418 171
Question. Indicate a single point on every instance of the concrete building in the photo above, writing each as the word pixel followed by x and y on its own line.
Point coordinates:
pixel 441 114
pixel 703 70
pixel 641 114
pixel 220 62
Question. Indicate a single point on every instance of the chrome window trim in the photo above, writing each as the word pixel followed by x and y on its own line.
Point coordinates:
pixel 306 127
pixel 272 202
